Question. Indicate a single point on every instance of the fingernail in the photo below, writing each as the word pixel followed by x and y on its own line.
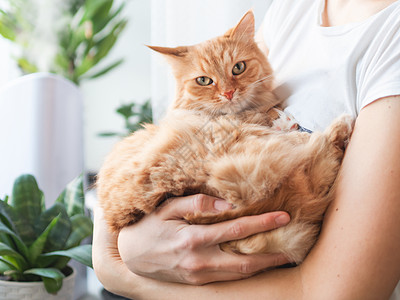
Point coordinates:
pixel 222 205
pixel 282 220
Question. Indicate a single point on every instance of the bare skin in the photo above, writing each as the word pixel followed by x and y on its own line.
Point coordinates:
pixel 341 12
pixel 356 257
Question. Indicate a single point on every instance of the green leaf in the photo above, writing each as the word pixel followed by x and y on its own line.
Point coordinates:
pixel 91 8
pixel 7 250
pixel 108 134
pixel 146 113
pixel 6 264
pixel 26 66
pixel 7 28
pixel 5 215
pixel 87 63
pixel 61 231
pixel 52 278
pixel 78 36
pixel 126 110
pixel 37 247
pixel 102 22
pixel 61 61
pixel 102 12
pixel 82 254
pixel 105 70
pixel 73 197
pixel 52 286
pixel 26 201
pixel 7 32
pixel 46 272
pixel 16 239
pixel 82 227
pixel 105 44
pixel 60 262
pixel 102 48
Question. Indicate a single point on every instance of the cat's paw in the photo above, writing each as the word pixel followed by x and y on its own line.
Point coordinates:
pixel 340 130
pixel 285 122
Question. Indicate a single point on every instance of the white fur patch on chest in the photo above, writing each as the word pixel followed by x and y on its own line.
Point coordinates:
pixel 285 122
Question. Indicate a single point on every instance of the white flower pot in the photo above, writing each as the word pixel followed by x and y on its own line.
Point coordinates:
pixel 12 290
pixel 41 132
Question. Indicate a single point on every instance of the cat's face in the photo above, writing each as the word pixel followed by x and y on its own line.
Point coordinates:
pixel 223 75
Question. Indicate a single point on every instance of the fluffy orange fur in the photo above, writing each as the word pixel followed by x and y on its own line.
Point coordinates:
pixel 218 140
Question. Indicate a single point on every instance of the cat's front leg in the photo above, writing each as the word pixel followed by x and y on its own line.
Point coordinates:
pixel 124 187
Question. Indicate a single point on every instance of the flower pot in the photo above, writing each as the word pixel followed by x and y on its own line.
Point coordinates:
pixel 41 131
pixel 13 290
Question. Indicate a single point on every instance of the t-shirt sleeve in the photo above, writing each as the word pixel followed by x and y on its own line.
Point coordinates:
pixel 381 68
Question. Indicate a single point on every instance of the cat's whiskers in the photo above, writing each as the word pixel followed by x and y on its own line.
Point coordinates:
pixel 261 80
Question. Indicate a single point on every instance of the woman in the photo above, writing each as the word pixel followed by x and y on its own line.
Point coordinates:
pixel 329 57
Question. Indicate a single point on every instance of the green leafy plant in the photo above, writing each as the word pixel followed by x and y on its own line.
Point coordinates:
pixel 89 30
pixel 37 243
pixel 134 116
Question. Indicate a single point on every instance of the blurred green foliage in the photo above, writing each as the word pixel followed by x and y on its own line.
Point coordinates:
pixel 92 30
pixel 134 115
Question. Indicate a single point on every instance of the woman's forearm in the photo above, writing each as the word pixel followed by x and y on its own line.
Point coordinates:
pixel 276 284
pixel 358 253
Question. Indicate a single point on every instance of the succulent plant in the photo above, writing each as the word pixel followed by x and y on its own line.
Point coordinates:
pixel 37 243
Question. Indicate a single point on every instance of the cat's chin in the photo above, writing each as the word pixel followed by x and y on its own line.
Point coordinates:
pixel 235 107
pixel 225 110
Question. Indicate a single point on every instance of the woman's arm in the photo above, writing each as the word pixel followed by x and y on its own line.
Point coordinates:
pixel 358 253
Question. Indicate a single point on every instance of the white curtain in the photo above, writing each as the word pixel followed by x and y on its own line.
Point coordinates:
pixel 186 22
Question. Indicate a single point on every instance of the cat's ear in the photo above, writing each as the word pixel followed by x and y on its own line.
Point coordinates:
pixel 245 29
pixel 172 52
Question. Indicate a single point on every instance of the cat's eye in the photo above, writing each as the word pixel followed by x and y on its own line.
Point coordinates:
pixel 204 80
pixel 239 68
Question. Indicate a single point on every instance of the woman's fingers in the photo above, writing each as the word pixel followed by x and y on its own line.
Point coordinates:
pixel 177 208
pixel 246 265
pixel 227 266
pixel 240 228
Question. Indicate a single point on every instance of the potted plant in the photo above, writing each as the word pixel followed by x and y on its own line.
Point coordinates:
pixel 62 43
pixel 36 243
pixel 78 36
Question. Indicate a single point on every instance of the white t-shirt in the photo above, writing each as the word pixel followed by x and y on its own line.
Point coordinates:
pixel 324 72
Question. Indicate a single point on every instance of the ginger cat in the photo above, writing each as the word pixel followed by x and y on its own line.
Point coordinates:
pixel 219 140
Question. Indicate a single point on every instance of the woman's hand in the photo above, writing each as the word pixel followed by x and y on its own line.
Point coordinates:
pixel 165 247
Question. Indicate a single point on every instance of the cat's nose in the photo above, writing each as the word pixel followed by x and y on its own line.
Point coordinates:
pixel 229 94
